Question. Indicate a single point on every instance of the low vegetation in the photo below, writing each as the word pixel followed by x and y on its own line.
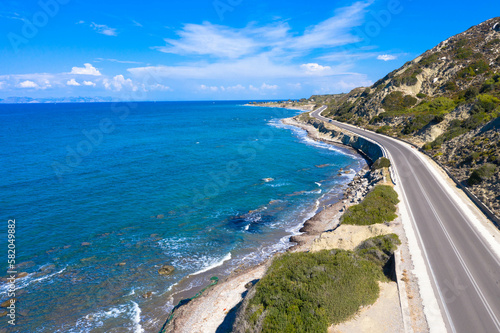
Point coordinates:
pixel 379 206
pixel 484 172
pixel 308 292
pixel 382 162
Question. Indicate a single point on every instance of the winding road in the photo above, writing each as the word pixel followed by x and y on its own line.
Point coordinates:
pixel 464 269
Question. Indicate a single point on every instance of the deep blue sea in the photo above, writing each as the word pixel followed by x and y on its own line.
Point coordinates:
pixel 104 194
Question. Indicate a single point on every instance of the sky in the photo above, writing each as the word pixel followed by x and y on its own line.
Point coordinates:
pixel 161 50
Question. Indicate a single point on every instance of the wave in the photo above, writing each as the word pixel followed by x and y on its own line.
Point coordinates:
pixel 212 264
pixel 28 280
pixel 136 318
pixel 90 322
pixel 302 135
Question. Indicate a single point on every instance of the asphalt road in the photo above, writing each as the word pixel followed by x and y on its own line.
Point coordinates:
pixel 464 272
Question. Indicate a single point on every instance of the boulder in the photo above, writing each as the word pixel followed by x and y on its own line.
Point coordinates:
pixel 166 270
pixel 6 303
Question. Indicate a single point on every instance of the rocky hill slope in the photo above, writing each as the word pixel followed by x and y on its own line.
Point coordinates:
pixel 446 101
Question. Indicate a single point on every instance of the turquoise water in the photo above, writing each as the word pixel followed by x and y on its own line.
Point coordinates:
pixel 104 194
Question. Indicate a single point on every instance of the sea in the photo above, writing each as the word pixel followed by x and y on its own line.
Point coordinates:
pixel 102 195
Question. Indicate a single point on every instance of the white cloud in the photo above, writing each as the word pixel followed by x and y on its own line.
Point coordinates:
pixel 314 68
pixel 208 39
pixel 237 87
pixel 386 57
pixel 89 83
pixel 2 84
pixel 265 86
pixel 104 29
pixel 119 61
pixel 28 84
pixel 209 88
pixel 233 43
pixel 87 70
pixel 296 86
pixel 118 83
pixel 73 82
pixel 159 87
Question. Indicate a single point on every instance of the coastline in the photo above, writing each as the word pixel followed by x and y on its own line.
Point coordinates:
pixel 216 309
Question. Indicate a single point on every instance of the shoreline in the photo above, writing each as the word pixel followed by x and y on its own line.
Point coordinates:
pixel 224 298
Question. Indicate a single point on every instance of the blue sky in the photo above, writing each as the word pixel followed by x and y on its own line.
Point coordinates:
pixel 216 49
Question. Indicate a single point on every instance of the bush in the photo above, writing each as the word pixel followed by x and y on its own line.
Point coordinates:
pixel 308 292
pixel 397 101
pixel 417 123
pixel 476 68
pixel 464 53
pixel 393 101
pixel 429 60
pixel 471 93
pixel 383 129
pixel 484 172
pixel 379 206
pixel 366 92
pixel 451 86
pixel 421 95
pixel 409 101
pixel 380 163
pixel 486 103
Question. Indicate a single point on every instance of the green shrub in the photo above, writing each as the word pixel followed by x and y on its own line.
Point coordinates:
pixel 464 53
pixel 476 68
pixel 438 118
pixel 471 93
pixel 409 101
pixel 486 103
pixel 484 172
pixel 421 95
pixel 379 206
pixel 382 162
pixel 417 123
pixel 308 292
pixel 397 101
pixel 492 42
pixel 383 129
pixel 429 60
pixel 379 249
pixel 393 101
pixel 451 86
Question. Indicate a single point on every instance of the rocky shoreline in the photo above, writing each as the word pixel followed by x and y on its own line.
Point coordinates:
pixel 216 310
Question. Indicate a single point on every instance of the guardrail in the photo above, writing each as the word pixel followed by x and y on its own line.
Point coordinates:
pixel 382 148
pixel 482 207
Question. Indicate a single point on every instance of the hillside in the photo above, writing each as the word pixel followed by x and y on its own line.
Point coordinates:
pixel 446 101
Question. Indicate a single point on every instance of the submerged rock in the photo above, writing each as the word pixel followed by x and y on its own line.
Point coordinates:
pixel 166 270
pixel 7 303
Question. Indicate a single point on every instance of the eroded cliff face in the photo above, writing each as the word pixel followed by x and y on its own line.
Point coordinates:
pixel 446 101
pixel 333 133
